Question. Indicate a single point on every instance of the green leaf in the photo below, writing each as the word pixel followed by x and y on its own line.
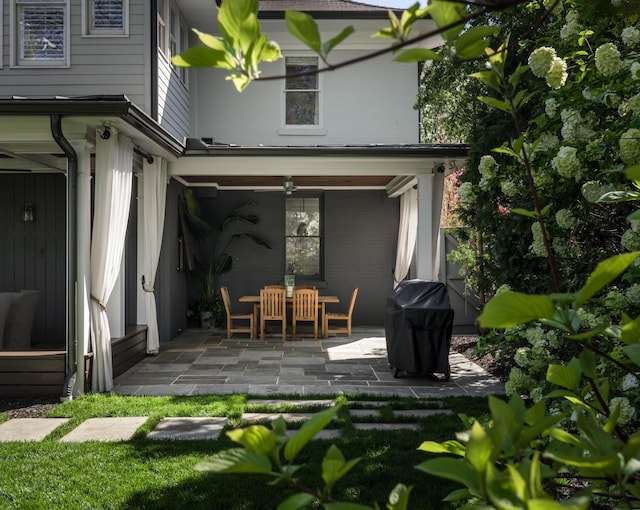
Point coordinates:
pixel 630 333
pixel 634 216
pixel 306 432
pixel 606 271
pixel 453 447
pixel 257 438
pixel 299 500
pixel 565 437
pixel 345 506
pixel 399 497
pixel 446 13
pixel 633 352
pixel 271 52
pixel 588 363
pixel 632 172
pixel 564 376
pixel 327 46
pixel 513 308
pixel 235 460
pixel 472 43
pixel 305 28
pixel 451 469
pixel 509 152
pixel 613 197
pixel 334 466
pixel 199 56
pixel 496 103
pixel 417 55
pixel 479 448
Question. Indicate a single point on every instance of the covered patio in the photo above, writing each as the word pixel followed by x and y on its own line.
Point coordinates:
pixel 203 362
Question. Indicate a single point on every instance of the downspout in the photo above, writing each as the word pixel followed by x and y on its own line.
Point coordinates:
pixel 72 174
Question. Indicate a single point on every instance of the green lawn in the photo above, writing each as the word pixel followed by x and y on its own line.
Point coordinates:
pixel 159 474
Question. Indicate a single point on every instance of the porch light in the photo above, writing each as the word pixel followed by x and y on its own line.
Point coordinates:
pixel 29 214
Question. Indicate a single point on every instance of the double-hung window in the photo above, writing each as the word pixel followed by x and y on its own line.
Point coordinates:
pixel 302 95
pixel 173 36
pixel 303 237
pixel 106 17
pixel 41 33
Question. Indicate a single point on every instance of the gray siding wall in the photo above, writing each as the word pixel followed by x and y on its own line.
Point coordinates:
pixel 170 285
pixel 99 65
pixel 32 255
pixel 359 247
pixel 174 103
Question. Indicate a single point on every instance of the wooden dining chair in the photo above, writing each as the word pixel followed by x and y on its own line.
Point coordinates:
pixel 345 317
pixel 231 317
pixel 273 307
pixel 305 308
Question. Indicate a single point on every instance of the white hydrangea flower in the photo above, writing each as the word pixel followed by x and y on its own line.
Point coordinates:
pixel 630 146
pixel 546 142
pixel 550 107
pixel 593 190
pixel 627 411
pixel 608 61
pixel 635 225
pixel 557 75
pixel 575 128
pixel 634 104
pixel 612 100
pixel 635 70
pixel 630 37
pixel 488 166
pixel 536 395
pixel 560 246
pixel 466 193
pixel 537 246
pixel 587 94
pixel 615 301
pixel 509 188
pixel 485 183
pixel 540 60
pixel 633 293
pixel 630 240
pixel 630 382
pixel 503 289
pixel 521 357
pixel 565 219
pixel 566 162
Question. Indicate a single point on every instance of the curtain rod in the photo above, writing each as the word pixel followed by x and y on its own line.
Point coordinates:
pixel 106 134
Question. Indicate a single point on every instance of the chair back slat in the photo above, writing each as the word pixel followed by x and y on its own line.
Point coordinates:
pixel 305 304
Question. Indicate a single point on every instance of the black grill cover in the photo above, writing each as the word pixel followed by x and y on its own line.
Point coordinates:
pixel 418 326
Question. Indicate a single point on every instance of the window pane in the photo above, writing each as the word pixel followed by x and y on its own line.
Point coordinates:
pixel 41 33
pixel 301 108
pixel 304 82
pixel 303 217
pixel 303 256
pixel 108 14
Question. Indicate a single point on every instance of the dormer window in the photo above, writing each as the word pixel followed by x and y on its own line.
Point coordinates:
pixel 106 17
pixel 40 33
pixel 302 96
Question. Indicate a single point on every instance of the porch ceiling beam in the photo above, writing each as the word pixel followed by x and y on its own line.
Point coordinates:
pixel 34 162
pixel 328 165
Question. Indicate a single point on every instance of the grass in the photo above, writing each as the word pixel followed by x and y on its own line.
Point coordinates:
pixel 144 474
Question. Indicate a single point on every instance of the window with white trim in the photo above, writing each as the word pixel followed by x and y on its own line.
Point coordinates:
pixel 172 34
pixel 303 237
pixel 41 32
pixel 107 17
pixel 302 92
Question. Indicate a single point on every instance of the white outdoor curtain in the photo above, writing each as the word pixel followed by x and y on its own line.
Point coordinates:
pixel 154 179
pixel 114 170
pixel 407 233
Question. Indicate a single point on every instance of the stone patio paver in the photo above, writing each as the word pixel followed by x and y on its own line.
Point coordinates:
pixel 29 429
pixel 105 429
pixel 185 428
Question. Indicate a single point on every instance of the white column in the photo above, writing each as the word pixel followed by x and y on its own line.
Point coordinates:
pixel 438 196
pixel 83 261
pixel 425 240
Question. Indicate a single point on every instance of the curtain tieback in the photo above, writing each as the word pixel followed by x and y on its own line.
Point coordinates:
pixel 144 285
pixel 100 303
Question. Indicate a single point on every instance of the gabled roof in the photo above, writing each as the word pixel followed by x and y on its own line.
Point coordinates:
pixel 322 9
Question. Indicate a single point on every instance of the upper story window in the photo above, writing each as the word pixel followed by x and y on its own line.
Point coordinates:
pixel 41 33
pixel 173 36
pixel 303 237
pixel 302 92
pixel 107 17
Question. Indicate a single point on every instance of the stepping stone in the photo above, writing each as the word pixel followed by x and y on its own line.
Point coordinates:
pixel 294 403
pixel 188 428
pixel 29 429
pixel 364 413
pixel 421 413
pixel 386 426
pixel 370 403
pixel 288 417
pixel 323 434
pixel 105 429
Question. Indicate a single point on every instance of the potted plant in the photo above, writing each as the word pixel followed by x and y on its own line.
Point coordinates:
pixel 212 258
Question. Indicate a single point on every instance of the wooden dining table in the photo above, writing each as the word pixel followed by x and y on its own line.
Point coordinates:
pixel 322 301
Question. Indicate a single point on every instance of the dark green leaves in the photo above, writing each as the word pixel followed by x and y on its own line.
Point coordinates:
pixel 513 308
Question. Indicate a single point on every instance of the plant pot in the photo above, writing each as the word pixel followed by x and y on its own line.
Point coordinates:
pixel 206 320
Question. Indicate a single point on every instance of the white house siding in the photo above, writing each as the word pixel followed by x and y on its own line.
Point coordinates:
pixel 98 65
pixel 370 102
pixel 174 103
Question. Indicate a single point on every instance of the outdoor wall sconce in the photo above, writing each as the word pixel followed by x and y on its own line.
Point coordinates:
pixel 29 214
